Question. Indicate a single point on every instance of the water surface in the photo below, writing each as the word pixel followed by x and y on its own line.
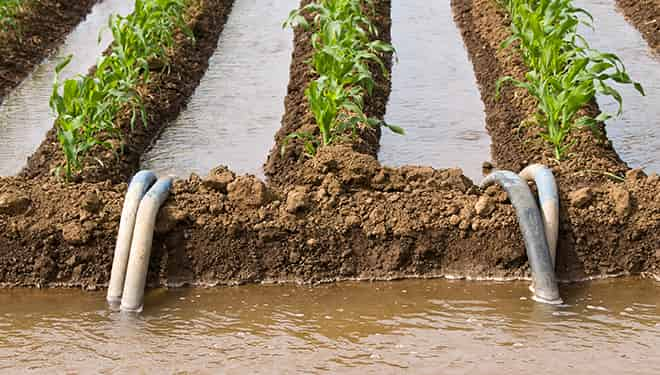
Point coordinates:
pixel 636 134
pixel 234 113
pixel 434 93
pixel 25 116
pixel 408 327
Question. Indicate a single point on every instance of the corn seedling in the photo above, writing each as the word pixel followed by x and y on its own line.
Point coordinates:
pixel 565 74
pixel 343 52
pixel 87 106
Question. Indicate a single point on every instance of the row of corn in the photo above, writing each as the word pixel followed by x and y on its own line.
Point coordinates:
pixel 345 47
pixel 88 106
pixel 565 73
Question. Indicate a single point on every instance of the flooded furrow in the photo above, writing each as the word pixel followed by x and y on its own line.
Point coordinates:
pixel 25 115
pixel 234 113
pixel 635 134
pixel 434 93
pixel 357 328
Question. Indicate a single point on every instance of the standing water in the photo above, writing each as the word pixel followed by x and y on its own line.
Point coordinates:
pixel 636 135
pixel 236 110
pixel 434 93
pixel 407 327
pixel 25 115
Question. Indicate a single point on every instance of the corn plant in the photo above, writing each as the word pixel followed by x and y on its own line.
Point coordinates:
pixel 87 106
pixel 343 53
pixel 8 11
pixel 565 74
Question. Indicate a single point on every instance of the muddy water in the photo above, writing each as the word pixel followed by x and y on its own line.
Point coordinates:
pixel 25 116
pixel 236 110
pixel 636 135
pixel 434 93
pixel 420 327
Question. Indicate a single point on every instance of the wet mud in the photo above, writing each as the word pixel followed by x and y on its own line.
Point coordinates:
pixel 40 28
pixel 342 215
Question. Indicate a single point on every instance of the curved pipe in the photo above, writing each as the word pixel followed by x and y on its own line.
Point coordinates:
pixel 136 190
pixel 549 202
pixel 531 225
pixel 138 261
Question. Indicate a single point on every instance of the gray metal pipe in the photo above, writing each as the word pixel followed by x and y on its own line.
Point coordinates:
pixel 138 261
pixel 531 226
pixel 138 187
pixel 548 201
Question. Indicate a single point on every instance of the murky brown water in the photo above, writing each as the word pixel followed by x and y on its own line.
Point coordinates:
pixel 412 327
pixel 25 116
pixel 434 93
pixel 636 135
pixel 236 110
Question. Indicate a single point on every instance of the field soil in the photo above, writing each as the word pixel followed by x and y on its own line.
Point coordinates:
pixel 40 27
pixel 342 215
pixel 645 16
pixel 164 98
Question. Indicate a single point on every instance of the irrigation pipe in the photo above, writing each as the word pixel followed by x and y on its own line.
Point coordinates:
pixel 138 261
pixel 531 226
pixel 548 201
pixel 138 187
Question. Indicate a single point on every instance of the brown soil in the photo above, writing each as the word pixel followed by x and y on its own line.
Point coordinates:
pixel 40 27
pixel 645 16
pixel 164 97
pixel 342 215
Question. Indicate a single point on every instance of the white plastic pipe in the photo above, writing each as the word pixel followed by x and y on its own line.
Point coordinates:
pixel 139 185
pixel 138 261
pixel 549 202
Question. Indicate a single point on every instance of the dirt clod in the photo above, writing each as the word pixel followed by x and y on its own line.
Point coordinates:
pixel 249 191
pixel 485 206
pixel 219 179
pixel 91 202
pixel 581 198
pixel 75 233
pixel 296 200
pixel 621 199
pixel 13 203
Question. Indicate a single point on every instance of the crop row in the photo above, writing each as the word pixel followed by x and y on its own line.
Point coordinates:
pixel 345 43
pixel 88 106
pixel 8 10
pixel 565 73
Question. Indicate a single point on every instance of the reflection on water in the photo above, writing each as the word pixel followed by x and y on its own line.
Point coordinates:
pixel 434 93
pixel 636 135
pixel 236 110
pixel 25 116
pixel 421 327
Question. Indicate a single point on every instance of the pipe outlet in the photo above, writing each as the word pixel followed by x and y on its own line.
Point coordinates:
pixel 531 226
pixel 548 201
pixel 138 187
pixel 138 262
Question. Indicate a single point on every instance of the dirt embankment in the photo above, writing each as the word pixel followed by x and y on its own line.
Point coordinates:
pixel 645 16
pixel 40 27
pixel 343 215
pixel 164 97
